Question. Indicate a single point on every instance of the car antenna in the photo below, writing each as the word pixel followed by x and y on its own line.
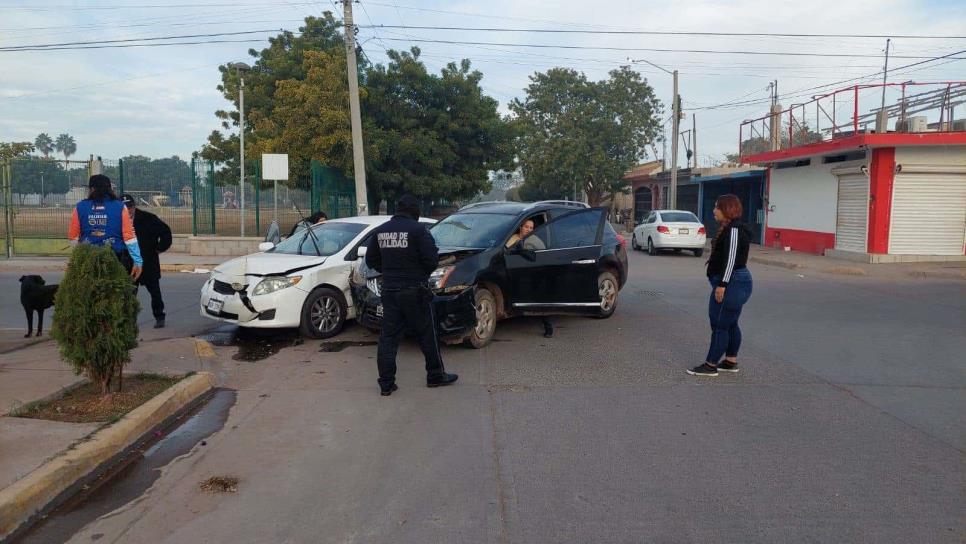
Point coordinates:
pixel 309 232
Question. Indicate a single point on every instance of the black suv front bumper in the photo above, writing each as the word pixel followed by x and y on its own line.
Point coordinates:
pixel 455 313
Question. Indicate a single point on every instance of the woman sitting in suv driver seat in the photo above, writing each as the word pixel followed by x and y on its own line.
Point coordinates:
pixel 533 243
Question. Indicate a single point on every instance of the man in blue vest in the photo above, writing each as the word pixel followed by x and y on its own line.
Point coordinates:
pixel 102 220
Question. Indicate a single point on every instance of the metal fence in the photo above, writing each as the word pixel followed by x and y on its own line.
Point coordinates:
pixel 193 197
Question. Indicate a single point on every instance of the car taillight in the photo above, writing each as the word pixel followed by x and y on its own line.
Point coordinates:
pixel 702 231
pixel 664 229
pixel 622 240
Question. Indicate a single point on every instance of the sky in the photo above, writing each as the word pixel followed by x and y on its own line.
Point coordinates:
pixel 160 101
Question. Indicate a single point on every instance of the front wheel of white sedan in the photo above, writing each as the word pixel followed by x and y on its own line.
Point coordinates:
pixel 323 314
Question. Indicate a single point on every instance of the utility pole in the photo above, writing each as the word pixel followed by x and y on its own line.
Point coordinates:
pixel 675 129
pixel 882 119
pixel 358 157
pixel 694 138
pixel 774 123
pixel 241 68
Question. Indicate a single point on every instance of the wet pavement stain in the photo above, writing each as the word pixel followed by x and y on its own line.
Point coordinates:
pixel 253 345
pixel 332 347
pixel 136 475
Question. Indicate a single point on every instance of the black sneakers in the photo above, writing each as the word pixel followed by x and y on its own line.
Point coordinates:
pixel 727 366
pixel 388 391
pixel 159 324
pixel 703 369
pixel 445 379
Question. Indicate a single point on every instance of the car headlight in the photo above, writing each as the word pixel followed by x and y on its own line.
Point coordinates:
pixel 437 280
pixel 275 283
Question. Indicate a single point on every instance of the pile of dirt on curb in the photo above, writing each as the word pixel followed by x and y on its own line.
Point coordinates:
pixel 85 404
pixel 220 484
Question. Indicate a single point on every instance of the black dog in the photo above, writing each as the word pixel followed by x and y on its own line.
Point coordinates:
pixel 36 296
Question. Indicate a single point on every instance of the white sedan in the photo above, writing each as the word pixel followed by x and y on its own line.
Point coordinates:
pixel 670 229
pixel 301 282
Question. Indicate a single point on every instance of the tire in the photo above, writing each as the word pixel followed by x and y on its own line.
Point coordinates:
pixel 609 289
pixel 651 250
pixel 698 252
pixel 634 245
pixel 486 312
pixel 323 314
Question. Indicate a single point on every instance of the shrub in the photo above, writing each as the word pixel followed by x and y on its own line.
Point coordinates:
pixel 95 315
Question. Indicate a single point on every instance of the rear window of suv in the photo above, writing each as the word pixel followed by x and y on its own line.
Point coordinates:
pixel 679 217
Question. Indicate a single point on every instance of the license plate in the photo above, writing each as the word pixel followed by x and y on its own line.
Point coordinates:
pixel 379 310
pixel 215 305
pixel 683 231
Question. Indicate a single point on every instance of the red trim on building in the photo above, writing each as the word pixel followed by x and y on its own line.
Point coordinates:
pixel 799 240
pixel 857 141
pixel 882 170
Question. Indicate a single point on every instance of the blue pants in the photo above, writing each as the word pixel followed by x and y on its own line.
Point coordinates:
pixel 725 333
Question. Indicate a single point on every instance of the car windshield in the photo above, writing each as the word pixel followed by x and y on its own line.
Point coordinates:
pixel 472 230
pixel 329 239
pixel 679 217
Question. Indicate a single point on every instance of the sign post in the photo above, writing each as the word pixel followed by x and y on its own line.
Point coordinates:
pixel 275 168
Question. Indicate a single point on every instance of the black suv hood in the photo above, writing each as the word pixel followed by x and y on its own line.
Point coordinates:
pixel 450 255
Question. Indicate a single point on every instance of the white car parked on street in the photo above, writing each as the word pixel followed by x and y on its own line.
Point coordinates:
pixel 670 229
pixel 301 282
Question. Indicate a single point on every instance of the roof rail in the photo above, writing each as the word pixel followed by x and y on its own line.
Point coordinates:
pixel 483 203
pixel 571 203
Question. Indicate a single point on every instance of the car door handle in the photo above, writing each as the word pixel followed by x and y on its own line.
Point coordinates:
pixel 584 261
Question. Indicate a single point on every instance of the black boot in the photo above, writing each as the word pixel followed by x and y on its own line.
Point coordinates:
pixel 445 379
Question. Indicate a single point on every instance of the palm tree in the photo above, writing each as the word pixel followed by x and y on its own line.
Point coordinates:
pixel 44 144
pixel 65 144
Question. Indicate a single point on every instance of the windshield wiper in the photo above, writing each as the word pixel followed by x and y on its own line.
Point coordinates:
pixel 318 252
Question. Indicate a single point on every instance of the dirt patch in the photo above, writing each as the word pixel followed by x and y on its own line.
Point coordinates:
pixel 85 404
pixel 220 484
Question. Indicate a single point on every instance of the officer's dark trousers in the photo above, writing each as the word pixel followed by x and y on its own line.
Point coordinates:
pixel 154 288
pixel 407 309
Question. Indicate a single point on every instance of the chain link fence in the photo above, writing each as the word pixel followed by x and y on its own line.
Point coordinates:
pixel 194 197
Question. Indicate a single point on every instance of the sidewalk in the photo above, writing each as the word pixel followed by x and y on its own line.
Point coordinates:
pixel 36 372
pixel 796 260
pixel 170 262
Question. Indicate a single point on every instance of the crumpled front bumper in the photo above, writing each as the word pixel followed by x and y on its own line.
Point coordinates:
pixel 455 313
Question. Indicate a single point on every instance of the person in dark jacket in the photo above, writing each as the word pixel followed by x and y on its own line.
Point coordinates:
pixel 154 237
pixel 731 287
pixel 314 219
pixel 406 254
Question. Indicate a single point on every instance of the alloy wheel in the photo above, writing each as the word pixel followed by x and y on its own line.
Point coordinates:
pixel 608 293
pixel 325 314
pixel 485 318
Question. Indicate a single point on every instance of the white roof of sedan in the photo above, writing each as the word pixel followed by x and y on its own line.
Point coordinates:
pixel 372 219
pixel 673 211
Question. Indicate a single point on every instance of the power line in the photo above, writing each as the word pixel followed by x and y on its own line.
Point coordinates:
pixel 656 50
pixel 71 7
pixel 35 47
pixel 794 94
pixel 130 45
pixel 664 32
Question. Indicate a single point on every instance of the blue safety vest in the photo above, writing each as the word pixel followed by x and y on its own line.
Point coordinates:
pixel 101 223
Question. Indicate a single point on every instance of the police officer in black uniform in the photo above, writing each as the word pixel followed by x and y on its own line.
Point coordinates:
pixel 406 254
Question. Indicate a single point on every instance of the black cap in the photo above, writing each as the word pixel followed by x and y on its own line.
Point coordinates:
pixel 409 205
pixel 99 181
pixel 128 200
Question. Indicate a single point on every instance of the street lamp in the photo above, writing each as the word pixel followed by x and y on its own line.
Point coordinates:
pixel 241 68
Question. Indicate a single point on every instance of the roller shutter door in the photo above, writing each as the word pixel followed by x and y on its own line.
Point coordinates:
pixel 928 211
pixel 852 218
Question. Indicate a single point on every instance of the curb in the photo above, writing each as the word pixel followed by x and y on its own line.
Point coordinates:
pixel 54 481
pixel 776 262
pixel 190 268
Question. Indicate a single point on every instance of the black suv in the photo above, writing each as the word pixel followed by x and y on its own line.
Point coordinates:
pixel 572 263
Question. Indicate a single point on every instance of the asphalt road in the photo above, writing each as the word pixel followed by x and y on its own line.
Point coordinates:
pixel 845 425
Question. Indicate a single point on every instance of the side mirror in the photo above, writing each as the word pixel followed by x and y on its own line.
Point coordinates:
pixel 361 251
pixel 266 246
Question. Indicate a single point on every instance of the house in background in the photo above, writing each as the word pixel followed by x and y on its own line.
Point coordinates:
pixel 888 185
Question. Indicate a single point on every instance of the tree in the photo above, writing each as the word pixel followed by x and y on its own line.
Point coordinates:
pixel 95 315
pixel 44 144
pixel 579 134
pixel 65 144
pixel 9 150
pixel 283 60
pixel 37 175
pixel 434 136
